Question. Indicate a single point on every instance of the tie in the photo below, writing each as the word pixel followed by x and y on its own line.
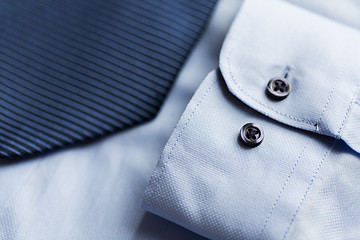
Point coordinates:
pixel 74 70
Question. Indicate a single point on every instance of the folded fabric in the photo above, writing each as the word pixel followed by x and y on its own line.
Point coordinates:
pixel 302 181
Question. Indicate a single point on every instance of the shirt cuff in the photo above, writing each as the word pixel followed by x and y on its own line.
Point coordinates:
pixel 207 180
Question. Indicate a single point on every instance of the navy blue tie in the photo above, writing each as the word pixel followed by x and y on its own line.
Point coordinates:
pixel 74 70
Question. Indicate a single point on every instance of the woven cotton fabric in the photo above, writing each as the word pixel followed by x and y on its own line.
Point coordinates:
pixel 301 181
pixel 212 184
pixel 319 55
pixel 93 191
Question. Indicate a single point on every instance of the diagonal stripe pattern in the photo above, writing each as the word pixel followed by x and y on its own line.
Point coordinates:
pixel 73 70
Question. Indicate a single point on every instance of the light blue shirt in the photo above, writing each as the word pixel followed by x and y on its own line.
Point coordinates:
pixel 301 182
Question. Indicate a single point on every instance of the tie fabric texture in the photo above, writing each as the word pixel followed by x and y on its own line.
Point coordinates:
pixel 78 69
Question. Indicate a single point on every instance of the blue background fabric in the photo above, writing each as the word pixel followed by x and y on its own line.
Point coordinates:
pixel 301 182
pixel 94 191
pixel 75 70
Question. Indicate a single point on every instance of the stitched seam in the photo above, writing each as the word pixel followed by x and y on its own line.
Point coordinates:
pixel 283 189
pixel 152 180
pixel 309 186
pixel 352 101
pixel 341 72
pixel 261 103
pixel 281 113
pixel 326 104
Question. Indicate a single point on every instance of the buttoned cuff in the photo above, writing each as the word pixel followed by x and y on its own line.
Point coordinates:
pixel 319 56
pixel 207 179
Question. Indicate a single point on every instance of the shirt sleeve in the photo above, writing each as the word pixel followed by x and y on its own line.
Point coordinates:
pixel 210 182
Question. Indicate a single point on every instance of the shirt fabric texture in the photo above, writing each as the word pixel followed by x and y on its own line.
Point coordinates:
pixel 94 191
pixel 301 182
pixel 210 183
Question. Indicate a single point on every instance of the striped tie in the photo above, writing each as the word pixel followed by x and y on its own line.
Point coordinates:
pixel 74 70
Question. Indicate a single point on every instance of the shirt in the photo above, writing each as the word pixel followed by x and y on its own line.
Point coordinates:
pixel 301 181
pixel 94 191
pixel 297 184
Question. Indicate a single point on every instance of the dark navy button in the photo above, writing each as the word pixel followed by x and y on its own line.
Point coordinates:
pixel 251 134
pixel 278 88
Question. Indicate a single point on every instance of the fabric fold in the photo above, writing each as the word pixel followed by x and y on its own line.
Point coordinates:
pixel 319 56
